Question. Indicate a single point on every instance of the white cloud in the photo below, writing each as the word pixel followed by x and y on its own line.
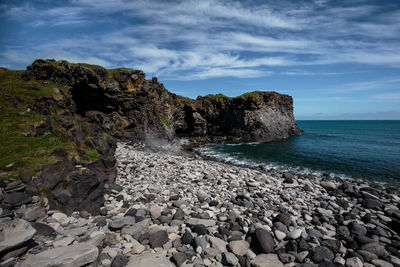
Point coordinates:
pixel 393 97
pixel 371 85
pixel 224 72
pixel 212 38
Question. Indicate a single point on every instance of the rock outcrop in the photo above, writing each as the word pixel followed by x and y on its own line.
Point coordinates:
pixel 135 108
pixel 251 117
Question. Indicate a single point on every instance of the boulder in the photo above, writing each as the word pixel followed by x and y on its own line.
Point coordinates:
pixel 199 229
pixel 218 243
pixel 43 229
pixel 239 247
pixel 320 253
pixel 16 199
pixel 381 263
pixel 158 239
pixel 63 242
pixel 33 213
pixel 74 255
pixel 295 234
pixel 155 211
pixel 157 259
pixel 119 223
pixel 72 189
pixel 205 222
pixel 179 258
pixel 328 185
pixel 15 233
pixel 266 260
pixel 264 241
pixel 230 259
pixel 179 214
pixel 354 262
pixel 371 203
pixel 283 218
pixel 119 260
pixel 375 248
pixel 187 238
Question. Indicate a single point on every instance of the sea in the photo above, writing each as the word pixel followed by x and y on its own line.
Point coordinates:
pixel 360 150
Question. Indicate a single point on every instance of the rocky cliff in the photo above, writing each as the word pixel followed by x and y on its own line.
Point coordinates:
pixel 138 107
pixel 74 113
pixel 252 117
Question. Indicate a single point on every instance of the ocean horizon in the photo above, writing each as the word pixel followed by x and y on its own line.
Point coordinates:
pixel 367 150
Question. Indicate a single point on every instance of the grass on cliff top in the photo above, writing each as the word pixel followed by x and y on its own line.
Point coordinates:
pixel 112 71
pixel 58 63
pixel 91 67
pixel 18 152
pixel 245 96
pixel 11 84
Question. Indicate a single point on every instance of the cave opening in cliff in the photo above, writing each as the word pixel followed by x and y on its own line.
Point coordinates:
pixel 90 97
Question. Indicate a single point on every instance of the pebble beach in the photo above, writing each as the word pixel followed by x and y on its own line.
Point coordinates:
pixel 171 210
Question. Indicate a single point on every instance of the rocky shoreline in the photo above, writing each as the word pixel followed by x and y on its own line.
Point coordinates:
pixel 174 210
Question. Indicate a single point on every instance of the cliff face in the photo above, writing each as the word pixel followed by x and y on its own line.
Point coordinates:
pixel 56 116
pixel 139 108
pixel 252 117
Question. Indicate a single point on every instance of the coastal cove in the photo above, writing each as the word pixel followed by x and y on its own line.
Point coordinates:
pixel 200 133
pixel 361 150
pixel 96 174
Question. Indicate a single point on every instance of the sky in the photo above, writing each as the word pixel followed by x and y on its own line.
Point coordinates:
pixel 337 59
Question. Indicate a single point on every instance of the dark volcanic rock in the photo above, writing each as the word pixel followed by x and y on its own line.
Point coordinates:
pixel 343 231
pixel 187 238
pixel 119 260
pixel 288 181
pixel 43 229
pixel 288 175
pixel 320 253
pixel 395 225
pixel 314 233
pixel 332 244
pixel 370 203
pixel 283 218
pixel 213 203
pixel 179 214
pixel 199 229
pixel 358 229
pixel 264 241
pixel 375 248
pixel 179 258
pixel 72 189
pixel 26 178
pixel 158 239
pixel 16 199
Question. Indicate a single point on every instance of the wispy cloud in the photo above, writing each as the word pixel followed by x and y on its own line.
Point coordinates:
pixel 393 97
pixel 208 38
pixel 371 85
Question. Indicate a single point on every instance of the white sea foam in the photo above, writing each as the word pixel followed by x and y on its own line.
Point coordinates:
pixel 230 158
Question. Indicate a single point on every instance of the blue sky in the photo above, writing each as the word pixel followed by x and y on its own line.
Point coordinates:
pixel 338 59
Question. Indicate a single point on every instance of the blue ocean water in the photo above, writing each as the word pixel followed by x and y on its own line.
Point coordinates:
pixel 367 150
